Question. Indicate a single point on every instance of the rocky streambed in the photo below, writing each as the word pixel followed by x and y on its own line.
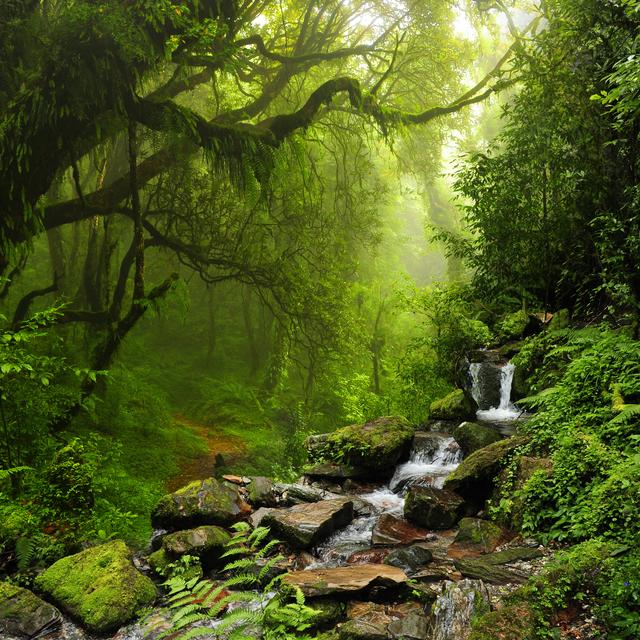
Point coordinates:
pixel 384 534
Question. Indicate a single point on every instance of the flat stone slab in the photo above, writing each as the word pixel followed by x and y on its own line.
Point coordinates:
pixel 323 582
pixel 304 525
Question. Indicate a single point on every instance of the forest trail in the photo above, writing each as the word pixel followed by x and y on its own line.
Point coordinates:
pixel 202 465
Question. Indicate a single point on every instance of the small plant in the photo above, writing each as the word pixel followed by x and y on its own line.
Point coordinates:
pixel 248 599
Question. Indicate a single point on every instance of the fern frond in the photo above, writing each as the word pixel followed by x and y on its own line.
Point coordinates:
pixel 267 547
pixel 625 413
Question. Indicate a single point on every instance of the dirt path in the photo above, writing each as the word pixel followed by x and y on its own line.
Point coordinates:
pixel 231 448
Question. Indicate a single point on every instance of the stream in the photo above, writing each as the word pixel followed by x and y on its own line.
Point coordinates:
pixel 435 455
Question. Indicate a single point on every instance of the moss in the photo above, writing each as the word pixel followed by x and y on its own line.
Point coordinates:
pixel 24 614
pixel 514 622
pixel 378 444
pixel 514 325
pixel 99 586
pixel 196 542
pixel 454 406
pixel 165 566
pixel 478 533
pixel 472 436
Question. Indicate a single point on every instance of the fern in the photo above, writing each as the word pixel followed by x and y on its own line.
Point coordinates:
pixel 26 551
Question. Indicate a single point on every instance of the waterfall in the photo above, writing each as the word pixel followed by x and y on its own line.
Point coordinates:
pixel 494 401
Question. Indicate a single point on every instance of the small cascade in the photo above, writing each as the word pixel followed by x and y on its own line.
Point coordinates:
pixel 491 389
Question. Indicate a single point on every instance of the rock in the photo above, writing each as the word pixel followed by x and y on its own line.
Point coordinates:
pixel 513 554
pixel 99 586
pixel 488 378
pixel 411 627
pixel 290 494
pixel 377 445
pixel 305 525
pixel 472 436
pixel 368 556
pixel 513 622
pixel 367 621
pixel 257 516
pixel 433 508
pixel 390 530
pixel 455 406
pixel 235 479
pixel 410 559
pixel 335 471
pixel 23 614
pixel 206 542
pixel 475 536
pixel 480 569
pixel 427 442
pixel 206 501
pixel 261 492
pixel 459 603
pixel 474 479
pixel 345 580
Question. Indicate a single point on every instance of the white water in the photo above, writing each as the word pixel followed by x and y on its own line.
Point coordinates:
pixel 506 410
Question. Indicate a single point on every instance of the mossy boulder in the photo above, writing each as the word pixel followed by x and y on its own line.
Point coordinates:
pixel 261 492
pixel 457 406
pixel 23 614
pixel 98 586
pixel 207 501
pixel 474 479
pixel 477 536
pixel 203 542
pixel 163 565
pixel 376 445
pixel 433 508
pixel 472 436
pixel 513 622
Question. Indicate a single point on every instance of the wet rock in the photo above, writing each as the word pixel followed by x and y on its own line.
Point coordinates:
pixel 476 536
pixel 377 445
pixel 433 508
pixel 206 501
pixel 23 614
pixel 257 516
pixel 411 627
pixel 410 559
pixel 99 586
pixel 457 406
pixel 472 436
pixel 481 569
pixel 368 556
pixel 512 554
pixel 335 471
pixel 324 582
pixel 261 492
pixel 390 530
pixel 427 442
pixel 367 621
pixel 305 525
pixel 459 603
pixel 291 494
pixel 474 479
pixel 488 378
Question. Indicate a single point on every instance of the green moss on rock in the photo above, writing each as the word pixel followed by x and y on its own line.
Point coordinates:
pixel 472 436
pixel 514 622
pixel 457 405
pixel 378 444
pixel 207 501
pixel 99 586
pixel 22 613
pixel 478 535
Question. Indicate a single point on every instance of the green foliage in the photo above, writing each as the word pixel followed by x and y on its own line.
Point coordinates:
pixel 246 599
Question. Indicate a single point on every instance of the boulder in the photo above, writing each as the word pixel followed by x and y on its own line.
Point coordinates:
pixel 487 378
pixel 206 501
pixel 290 494
pixel 23 614
pixel 163 564
pixel 346 580
pixel 258 515
pixel 457 406
pixel 427 442
pixel 304 525
pixel 410 559
pixel 377 445
pixel 261 492
pixel 335 471
pixel 458 605
pixel 511 555
pixel 99 586
pixel 390 530
pixel 206 542
pixel 474 479
pixel 475 536
pixel 367 621
pixel 433 508
pixel 472 436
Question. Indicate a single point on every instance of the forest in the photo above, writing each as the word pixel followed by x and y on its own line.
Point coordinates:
pixel 320 319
